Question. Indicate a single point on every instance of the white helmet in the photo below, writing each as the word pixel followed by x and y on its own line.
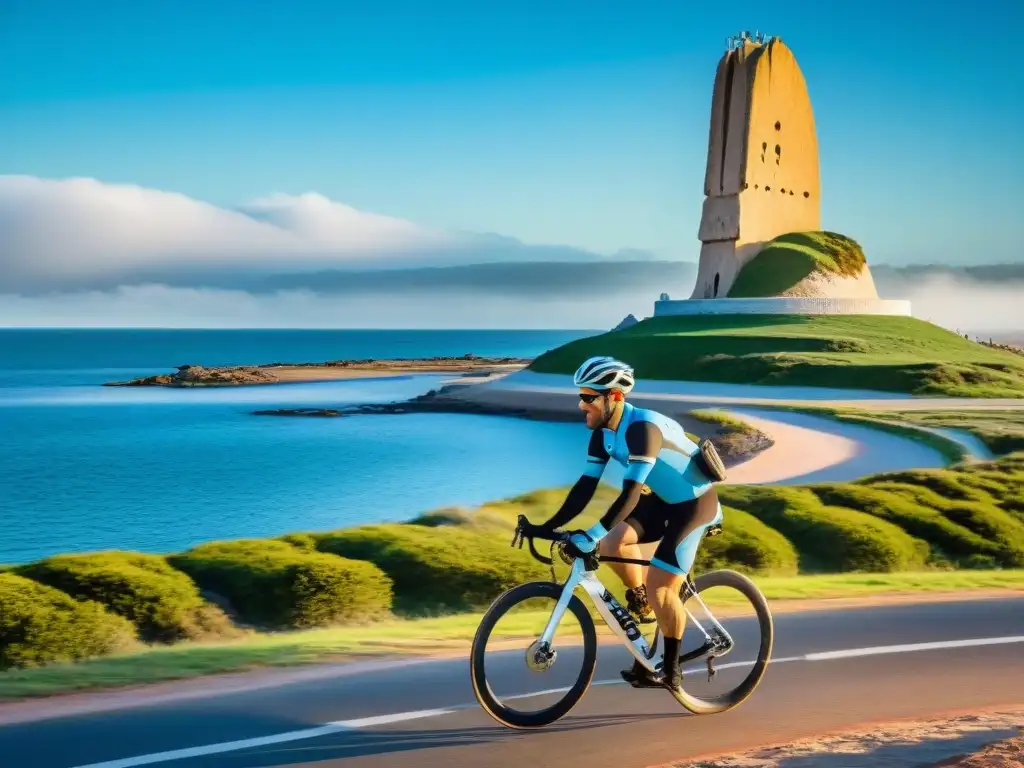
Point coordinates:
pixel 604 373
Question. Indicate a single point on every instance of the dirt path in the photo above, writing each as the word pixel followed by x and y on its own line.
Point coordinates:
pixel 986 739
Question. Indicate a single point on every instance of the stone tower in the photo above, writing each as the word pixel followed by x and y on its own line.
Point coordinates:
pixel 762 176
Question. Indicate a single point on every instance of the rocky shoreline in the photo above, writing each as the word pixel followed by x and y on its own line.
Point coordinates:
pixel 276 373
pixel 736 443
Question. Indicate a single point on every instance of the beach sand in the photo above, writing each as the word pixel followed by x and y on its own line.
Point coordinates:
pixel 283 373
pixel 796 450
pixel 296 373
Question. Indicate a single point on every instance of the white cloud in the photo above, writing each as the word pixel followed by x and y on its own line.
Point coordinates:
pixel 161 306
pixel 84 233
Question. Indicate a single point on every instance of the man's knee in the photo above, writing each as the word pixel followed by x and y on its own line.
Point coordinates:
pixel 618 538
pixel 662 583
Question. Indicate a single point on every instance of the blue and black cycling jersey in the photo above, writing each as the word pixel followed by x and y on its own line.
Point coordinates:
pixel 656 453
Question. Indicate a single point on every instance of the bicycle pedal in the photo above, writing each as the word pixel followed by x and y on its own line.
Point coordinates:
pixel 641 681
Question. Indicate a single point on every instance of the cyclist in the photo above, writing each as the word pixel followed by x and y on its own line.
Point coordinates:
pixel 667 496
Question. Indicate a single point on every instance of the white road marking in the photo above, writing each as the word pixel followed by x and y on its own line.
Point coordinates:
pixel 369 722
pixel 213 749
pixel 884 649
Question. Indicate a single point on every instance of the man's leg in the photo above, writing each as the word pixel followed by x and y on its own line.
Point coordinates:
pixel 635 538
pixel 623 541
pixel 671 562
pixel 645 526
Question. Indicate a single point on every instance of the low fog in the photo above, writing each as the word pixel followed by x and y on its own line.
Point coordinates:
pixel 83 253
pixel 83 234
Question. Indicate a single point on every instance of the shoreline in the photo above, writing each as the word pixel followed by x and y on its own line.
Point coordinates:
pixel 737 441
pixel 186 376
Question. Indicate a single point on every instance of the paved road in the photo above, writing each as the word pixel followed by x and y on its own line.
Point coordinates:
pixel 384 719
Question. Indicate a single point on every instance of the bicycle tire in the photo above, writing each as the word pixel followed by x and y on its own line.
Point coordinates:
pixel 715 705
pixel 485 696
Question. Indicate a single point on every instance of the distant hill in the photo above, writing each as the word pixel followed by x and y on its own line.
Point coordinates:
pixel 554 277
pixel 538 278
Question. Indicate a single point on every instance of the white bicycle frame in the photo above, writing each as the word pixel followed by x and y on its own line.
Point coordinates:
pixel 618 619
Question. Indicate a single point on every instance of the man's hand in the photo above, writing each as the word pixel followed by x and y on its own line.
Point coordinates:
pixel 579 545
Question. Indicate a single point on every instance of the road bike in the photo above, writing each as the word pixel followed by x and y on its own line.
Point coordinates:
pixel 542 654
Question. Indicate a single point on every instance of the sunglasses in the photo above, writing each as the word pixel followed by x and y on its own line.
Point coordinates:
pixel 589 398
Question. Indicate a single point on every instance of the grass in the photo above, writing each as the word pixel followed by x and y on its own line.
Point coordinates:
pixel 788 259
pixel 450 634
pixel 884 353
pixel 723 419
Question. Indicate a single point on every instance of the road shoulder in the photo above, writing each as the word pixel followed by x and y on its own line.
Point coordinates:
pixel 991 738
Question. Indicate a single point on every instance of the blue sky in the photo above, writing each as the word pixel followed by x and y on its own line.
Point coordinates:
pixel 564 122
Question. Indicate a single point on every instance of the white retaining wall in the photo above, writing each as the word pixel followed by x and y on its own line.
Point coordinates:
pixel 782 306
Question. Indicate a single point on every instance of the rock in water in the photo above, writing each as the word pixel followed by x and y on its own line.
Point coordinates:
pixel 200 376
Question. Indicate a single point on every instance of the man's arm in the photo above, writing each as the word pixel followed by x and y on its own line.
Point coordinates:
pixel 643 439
pixel 583 491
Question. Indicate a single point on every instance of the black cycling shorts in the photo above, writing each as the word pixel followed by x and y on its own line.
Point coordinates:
pixel 679 527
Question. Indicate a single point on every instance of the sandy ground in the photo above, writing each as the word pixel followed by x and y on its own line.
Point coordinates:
pixel 990 739
pixel 806 448
pixel 291 373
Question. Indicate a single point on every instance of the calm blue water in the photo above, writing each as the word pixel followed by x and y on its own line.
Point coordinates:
pixel 85 467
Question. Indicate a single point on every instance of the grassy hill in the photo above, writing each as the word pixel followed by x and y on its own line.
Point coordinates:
pixel 790 258
pixel 892 354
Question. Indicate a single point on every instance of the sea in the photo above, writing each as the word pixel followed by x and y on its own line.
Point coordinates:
pixel 85 467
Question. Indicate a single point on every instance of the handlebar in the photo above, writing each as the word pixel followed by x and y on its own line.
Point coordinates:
pixel 519 536
pixel 590 559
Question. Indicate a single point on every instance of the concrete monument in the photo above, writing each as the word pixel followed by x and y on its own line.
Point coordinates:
pixel 760 226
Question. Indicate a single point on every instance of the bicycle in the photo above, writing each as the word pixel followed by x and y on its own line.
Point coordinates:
pixel 541 655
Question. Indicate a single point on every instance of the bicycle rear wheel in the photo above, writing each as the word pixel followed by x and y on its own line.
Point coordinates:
pixel 704 698
pixel 538 659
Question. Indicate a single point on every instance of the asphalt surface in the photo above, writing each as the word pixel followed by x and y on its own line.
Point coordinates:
pixel 379 719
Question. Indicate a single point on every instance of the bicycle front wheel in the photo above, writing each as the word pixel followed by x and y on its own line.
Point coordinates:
pixel 728 612
pixel 528 608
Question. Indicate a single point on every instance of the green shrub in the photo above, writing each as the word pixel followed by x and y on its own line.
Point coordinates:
pixel 948 538
pixel 829 539
pixel 438 569
pixel 163 603
pixel 40 625
pixel 947 483
pixel 303 541
pixel 1002 531
pixel 1014 504
pixel 747 545
pixel 273 584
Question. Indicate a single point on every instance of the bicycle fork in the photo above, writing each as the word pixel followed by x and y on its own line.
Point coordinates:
pixel 614 615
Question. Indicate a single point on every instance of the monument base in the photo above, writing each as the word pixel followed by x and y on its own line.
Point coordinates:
pixel 782 306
